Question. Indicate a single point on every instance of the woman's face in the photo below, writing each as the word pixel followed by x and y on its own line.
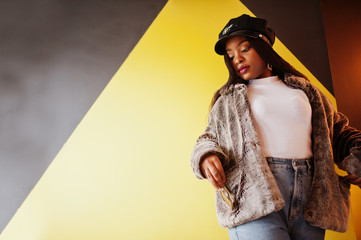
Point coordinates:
pixel 245 60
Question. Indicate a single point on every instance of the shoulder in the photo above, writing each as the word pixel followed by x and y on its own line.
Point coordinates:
pixel 230 97
pixel 313 93
pixel 227 94
pixel 319 101
pixel 227 99
pixel 296 81
pixel 232 88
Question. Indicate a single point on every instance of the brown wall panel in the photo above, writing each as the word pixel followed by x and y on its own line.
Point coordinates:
pixel 342 23
pixel 343 32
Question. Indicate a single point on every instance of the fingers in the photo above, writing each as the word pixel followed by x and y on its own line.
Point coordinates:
pixel 221 177
pixel 214 176
pixel 212 180
pixel 354 179
pixel 213 171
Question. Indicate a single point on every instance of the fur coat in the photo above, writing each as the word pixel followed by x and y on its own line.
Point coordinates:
pixel 231 135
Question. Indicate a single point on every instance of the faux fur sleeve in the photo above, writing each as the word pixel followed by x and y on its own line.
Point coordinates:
pixel 346 145
pixel 206 145
pixel 346 140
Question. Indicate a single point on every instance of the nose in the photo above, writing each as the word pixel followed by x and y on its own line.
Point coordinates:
pixel 238 58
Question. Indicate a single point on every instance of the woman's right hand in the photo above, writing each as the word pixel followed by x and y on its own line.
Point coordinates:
pixel 212 169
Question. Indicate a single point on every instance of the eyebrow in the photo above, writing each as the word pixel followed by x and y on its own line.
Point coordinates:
pixel 245 40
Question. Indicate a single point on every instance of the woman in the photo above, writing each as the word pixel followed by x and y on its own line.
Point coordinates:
pixel 271 143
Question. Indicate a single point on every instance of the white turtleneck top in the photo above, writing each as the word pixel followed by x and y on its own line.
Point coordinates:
pixel 282 118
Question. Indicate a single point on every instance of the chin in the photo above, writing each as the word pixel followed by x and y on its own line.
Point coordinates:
pixel 246 78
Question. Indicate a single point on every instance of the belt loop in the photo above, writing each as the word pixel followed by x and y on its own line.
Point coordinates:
pixel 294 164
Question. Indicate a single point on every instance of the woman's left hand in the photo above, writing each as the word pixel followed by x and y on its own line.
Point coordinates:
pixel 354 179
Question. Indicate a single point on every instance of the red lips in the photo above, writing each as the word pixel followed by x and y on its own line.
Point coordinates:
pixel 243 69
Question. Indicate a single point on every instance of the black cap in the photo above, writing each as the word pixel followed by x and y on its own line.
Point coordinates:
pixel 244 25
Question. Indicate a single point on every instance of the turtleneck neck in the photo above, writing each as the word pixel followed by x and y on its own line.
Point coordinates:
pixel 263 81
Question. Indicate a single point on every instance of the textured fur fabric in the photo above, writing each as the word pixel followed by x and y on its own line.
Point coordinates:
pixel 231 135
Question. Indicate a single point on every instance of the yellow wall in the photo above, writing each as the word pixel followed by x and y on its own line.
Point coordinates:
pixel 125 171
pixel 356 210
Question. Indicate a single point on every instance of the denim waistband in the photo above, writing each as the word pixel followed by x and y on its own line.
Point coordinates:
pixel 294 162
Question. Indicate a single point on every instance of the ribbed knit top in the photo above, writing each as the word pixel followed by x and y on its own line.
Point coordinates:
pixel 282 117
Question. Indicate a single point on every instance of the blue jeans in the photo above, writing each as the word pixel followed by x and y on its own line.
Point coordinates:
pixel 294 178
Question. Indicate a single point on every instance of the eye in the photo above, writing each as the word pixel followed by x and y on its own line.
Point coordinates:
pixel 245 49
pixel 230 57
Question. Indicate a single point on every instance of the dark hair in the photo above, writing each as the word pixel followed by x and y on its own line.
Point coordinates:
pixel 279 66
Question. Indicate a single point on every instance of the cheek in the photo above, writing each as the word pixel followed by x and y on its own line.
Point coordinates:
pixel 258 62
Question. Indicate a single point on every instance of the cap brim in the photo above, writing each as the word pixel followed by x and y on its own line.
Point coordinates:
pixel 220 46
